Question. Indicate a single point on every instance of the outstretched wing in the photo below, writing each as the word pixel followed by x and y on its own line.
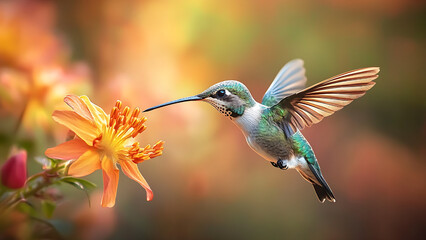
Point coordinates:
pixel 311 105
pixel 291 79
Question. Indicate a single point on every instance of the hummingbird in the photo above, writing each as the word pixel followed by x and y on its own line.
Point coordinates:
pixel 272 128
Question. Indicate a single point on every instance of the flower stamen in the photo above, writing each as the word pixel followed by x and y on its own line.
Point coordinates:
pixel 139 155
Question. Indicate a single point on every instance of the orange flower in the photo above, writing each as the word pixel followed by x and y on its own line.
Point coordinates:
pixel 103 142
pixel 32 95
pixel 35 66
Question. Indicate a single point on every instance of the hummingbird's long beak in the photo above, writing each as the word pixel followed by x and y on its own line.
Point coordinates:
pixel 187 99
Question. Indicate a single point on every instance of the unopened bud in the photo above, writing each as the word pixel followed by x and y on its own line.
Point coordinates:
pixel 14 170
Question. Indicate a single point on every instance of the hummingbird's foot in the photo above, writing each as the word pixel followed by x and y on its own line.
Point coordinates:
pixel 280 164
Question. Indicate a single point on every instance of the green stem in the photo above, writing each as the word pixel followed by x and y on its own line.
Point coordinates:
pixel 8 202
pixel 5 202
pixel 2 190
pixel 21 195
pixel 33 185
pixel 31 178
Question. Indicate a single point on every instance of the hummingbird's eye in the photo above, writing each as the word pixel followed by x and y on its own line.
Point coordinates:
pixel 220 93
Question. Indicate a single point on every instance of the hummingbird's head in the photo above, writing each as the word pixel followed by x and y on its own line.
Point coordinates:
pixel 231 98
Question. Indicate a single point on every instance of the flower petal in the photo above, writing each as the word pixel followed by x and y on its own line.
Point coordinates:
pixel 132 171
pixel 85 164
pixel 110 175
pixel 84 128
pixel 72 149
pixel 98 113
pixel 78 106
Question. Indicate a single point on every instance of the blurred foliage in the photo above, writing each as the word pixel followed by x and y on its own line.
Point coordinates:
pixel 209 184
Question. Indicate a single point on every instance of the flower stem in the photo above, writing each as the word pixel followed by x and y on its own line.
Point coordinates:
pixel 21 195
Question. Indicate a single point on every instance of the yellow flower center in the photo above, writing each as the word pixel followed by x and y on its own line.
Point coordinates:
pixel 123 124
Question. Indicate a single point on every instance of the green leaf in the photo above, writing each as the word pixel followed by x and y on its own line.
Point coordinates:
pixel 48 207
pixel 27 208
pixel 78 183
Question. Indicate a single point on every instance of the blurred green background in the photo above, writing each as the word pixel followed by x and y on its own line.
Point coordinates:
pixel 209 184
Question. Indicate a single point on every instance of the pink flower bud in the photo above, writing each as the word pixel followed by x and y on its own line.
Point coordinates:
pixel 14 170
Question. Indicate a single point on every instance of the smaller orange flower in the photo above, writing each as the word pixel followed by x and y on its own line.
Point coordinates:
pixel 103 142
